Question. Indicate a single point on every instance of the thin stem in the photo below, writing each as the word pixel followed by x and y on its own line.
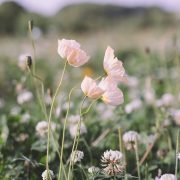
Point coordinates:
pixel 76 136
pixel 50 114
pixel 30 26
pixel 137 159
pixel 177 150
pixel 88 109
pixel 64 129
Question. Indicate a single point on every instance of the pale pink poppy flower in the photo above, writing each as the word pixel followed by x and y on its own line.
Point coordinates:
pixel 70 50
pixel 112 95
pixel 90 88
pixel 113 67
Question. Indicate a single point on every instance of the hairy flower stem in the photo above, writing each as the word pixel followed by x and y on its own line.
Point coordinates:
pixel 137 159
pixel 76 138
pixel 177 150
pixel 50 115
pixel 63 134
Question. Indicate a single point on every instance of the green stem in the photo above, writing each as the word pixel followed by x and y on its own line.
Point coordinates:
pixel 137 159
pixel 50 114
pixel 76 137
pixel 63 135
pixel 177 150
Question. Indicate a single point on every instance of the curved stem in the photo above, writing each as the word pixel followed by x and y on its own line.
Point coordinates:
pixel 50 114
pixel 76 136
pixel 63 135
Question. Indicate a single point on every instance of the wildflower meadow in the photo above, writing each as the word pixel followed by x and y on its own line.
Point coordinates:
pixel 90 105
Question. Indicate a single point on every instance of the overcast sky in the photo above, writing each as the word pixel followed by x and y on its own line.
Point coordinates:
pixel 50 7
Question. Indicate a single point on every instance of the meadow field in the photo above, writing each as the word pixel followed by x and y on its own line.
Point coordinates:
pixel 57 124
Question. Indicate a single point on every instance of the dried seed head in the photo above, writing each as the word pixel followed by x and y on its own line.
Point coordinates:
pixel 29 61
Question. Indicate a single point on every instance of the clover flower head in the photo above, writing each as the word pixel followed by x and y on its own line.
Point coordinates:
pixel 113 162
pixel 45 174
pixel 168 177
pixel 76 156
pixel 130 139
pixel 93 170
pixel 42 127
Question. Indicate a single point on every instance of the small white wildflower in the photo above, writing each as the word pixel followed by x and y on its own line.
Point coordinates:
pixel 113 162
pixel 66 105
pixel 168 99
pixel 25 118
pixel 106 112
pixel 149 139
pixel 168 177
pixel 176 116
pixel 15 110
pixel 24 97
pixel 132 81
pixel 73 119
pixel 42 127
pixel 130 139
pixel 45 174
pixel 76 156
pixel 132 106
pixel 93 170
pixel 73 129
pixel 58 111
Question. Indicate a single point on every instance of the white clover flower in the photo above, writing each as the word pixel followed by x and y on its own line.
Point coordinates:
pixel 130 139
pixel 166 100
pixel 149 139
pixel 73 125
pixel 105 112
pixel 133 81
pixel 42 127
pixel 113 162
pixel 45 174
pixel 132 106
pixel 58 111
pixel 168 177
pixel 176 116
pixel 73 129
pixel 93 170
pixel 76 156
pixel 73 119
pixel 25 118
pixel 15 110
pixel 24 96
